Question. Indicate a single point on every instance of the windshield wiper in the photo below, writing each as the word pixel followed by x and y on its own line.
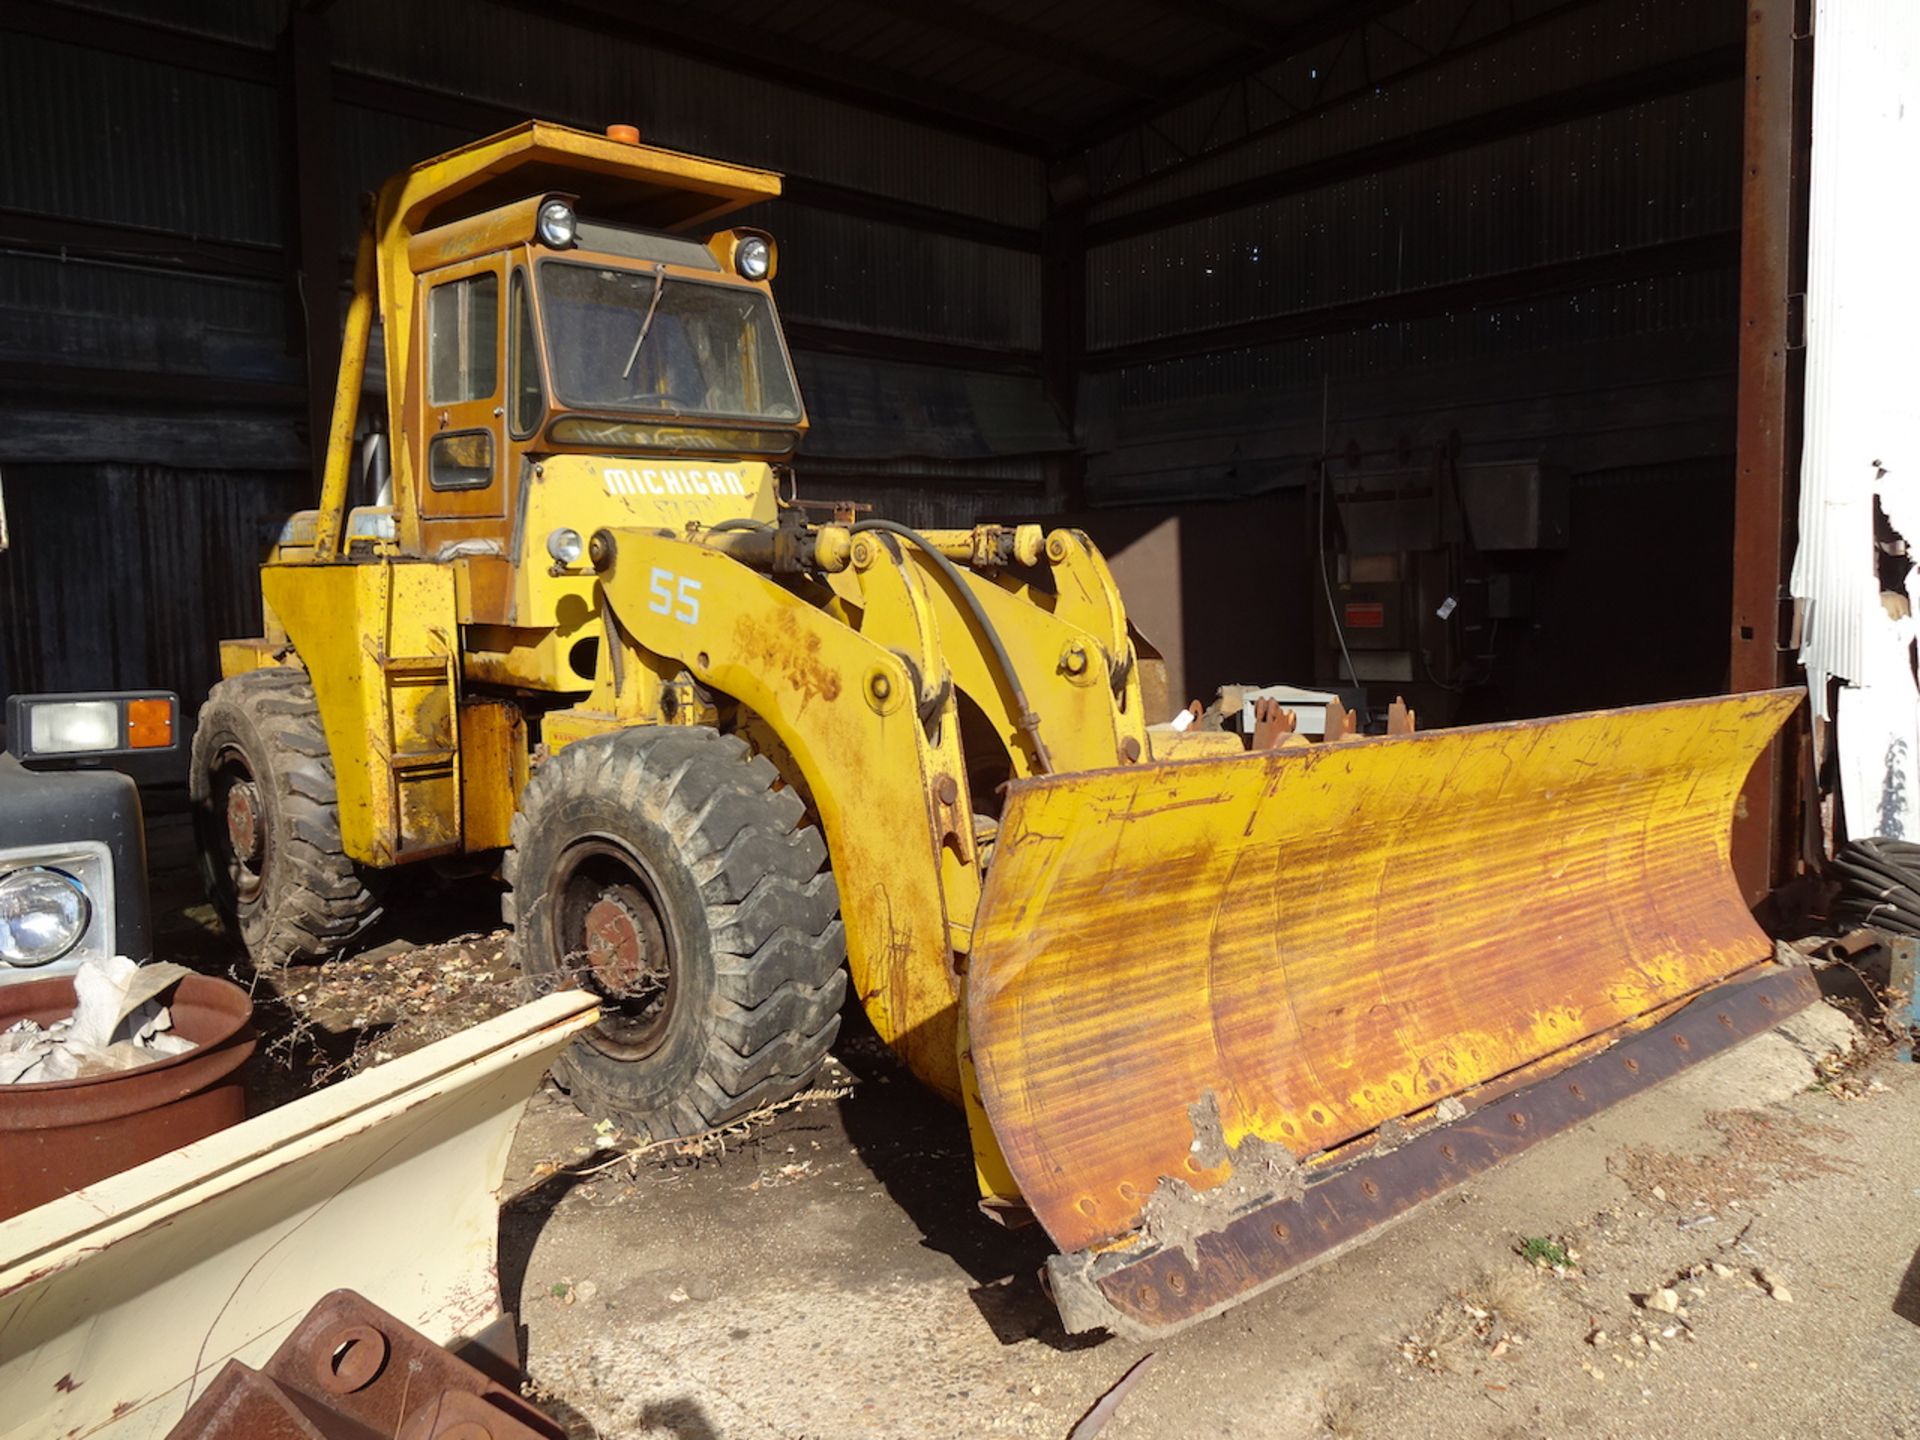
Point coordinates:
pixel 646 322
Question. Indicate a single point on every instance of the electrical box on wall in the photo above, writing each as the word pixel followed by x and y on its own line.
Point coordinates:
pixel 1425 562
pixel 1520 505
pixel 1509 596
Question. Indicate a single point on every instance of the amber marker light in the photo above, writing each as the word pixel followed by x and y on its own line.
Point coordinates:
pixel 149 724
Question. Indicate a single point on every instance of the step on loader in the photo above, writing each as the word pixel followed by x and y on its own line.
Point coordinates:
pixel 1210 1013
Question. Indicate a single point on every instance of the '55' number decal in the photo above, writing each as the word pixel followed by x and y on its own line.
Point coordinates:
pixel 674 595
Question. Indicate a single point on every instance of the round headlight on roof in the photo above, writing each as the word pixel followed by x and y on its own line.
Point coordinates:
pixel 43 914
pixel 557 224
pixel 753 257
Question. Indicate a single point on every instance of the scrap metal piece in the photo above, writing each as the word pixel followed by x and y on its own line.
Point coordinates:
pixel 350 1369
pixel 1339 937
pixel 1273 724
pixel 1144 1295
pixel 1903 992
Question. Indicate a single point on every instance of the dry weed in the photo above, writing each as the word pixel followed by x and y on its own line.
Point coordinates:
pixel 1340 1413
pixel 1761 1148
pixel 1444 1341
pixel 1513 1297
pixel 1485 1318
pixel 707 1145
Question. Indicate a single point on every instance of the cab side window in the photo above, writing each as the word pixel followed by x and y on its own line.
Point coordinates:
pixel 529 401
pixel 463 317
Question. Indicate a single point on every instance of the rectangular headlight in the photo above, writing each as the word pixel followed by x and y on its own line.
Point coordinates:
pixel 67 727
pixel 95 724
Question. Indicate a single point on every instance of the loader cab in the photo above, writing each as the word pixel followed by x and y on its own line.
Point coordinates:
pixel 590 338
pixel 558 352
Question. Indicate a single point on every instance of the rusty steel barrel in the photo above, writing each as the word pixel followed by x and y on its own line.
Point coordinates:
pixel 59 1135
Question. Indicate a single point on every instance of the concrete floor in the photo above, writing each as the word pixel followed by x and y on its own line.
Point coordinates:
pixel 830 1277
pixel 834 1280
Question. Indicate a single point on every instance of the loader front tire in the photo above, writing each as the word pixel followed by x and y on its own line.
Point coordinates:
pixel 267 817
pixel 661 869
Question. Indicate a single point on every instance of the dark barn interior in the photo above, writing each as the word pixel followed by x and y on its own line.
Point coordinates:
pixel 1176 270
pixel 681 883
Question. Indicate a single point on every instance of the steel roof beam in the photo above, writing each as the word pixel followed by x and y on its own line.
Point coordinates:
pixel 1452 52
pixel 147 41
pixel 1717 251
pixel 1003 34
pixel 1338 19
pixel 898 96
pixel 779 60
pixel 1673 78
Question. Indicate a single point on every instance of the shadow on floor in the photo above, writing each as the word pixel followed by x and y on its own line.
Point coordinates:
pixel 522 1219
pixel 916 1146
pixel 1906 1300
pixel 683 1419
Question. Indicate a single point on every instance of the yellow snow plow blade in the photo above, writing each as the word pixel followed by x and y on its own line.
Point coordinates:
pixel 1198 989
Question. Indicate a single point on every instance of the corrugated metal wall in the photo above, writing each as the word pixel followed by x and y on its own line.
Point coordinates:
pixel 1532 247
pixel 121 576
pixel 1529 244
pixel 1588 369
pixel 120 141
pixel 1552 47
pixel 98 136
pixel 1639 176
pixel 850 270
pixel 1859 505
pixel 128 141
pixel 175 340
pixel 1631 373
pixel 528 62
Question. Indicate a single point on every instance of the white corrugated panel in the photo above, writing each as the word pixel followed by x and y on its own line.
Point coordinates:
pixel 1862 404
pixel 1863 311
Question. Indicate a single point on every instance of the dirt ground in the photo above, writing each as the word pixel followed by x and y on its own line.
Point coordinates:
pixel 824 1273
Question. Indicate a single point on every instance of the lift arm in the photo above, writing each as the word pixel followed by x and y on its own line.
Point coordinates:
pixel 870 722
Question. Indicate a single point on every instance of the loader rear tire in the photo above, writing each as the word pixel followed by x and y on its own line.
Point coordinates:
pixel 661 869
pixel 267 816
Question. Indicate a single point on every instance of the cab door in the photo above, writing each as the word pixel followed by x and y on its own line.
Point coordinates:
pixel 462 450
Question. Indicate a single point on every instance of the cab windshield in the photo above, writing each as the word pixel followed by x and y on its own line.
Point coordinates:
pixel 636 341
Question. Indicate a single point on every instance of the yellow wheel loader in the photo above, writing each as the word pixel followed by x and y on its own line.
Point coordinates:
pixel 1211 1013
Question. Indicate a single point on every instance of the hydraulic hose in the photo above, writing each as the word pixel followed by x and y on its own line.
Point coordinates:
pixel 1028 722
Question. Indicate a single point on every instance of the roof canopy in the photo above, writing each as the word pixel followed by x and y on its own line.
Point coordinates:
pixel 640 184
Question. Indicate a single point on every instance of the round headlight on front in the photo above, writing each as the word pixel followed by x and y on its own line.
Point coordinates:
pixel 564 546
pixel 753 258
pixel 557 224
pixel 43 914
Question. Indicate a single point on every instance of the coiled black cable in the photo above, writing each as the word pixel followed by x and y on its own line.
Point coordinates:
pixel 1879 884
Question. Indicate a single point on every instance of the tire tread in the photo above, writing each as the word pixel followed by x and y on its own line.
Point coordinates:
pixel 772 910
pixel 323 900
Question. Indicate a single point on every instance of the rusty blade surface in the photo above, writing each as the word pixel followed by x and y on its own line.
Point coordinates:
pixel 1147 1291
pixel 1184 966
